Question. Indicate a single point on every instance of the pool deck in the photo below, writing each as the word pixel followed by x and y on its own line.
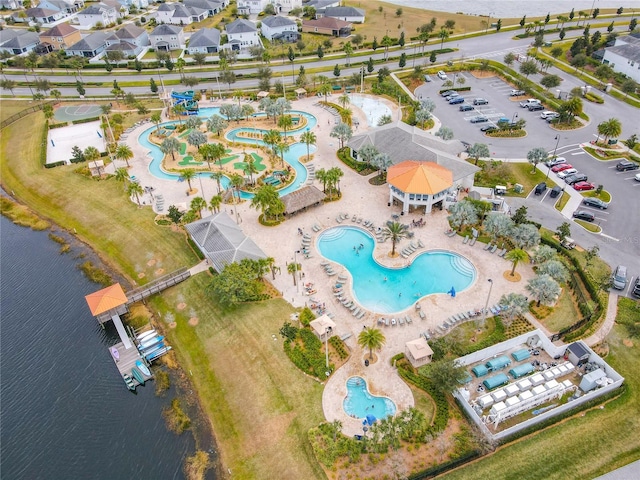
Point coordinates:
pixel 368 202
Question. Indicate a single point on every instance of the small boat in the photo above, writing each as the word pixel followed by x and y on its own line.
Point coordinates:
pixel 158 353
pixel 150 341
pixel 137 374
pixel 146 334
pixel 115 353
pixel 129 382
pixel 149 347
pixel 143 368
pixel 146 353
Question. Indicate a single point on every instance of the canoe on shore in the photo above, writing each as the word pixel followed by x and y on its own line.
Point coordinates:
pixel 143 368
pixel 129 382
pixel 115 353
pixel 146 334
pixel 137 374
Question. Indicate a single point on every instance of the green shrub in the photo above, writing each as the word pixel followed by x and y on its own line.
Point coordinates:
pixel 195 248
pixel 592 97
pixel 308 357
pixel 306 315
pixel 85 120
pixel 55 164
pixel 340 347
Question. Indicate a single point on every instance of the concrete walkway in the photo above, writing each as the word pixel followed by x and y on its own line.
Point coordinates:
pixel 605 328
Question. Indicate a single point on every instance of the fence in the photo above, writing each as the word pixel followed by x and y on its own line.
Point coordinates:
pixel 23 113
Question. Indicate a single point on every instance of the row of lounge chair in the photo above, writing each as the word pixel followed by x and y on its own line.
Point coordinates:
pixel 328 269
pixel 305 246
pixel 350 305
pixel 491 248
pixel 342 217
pixel 316 228
pixel 393 321
pixel 407 251
pixel 472 242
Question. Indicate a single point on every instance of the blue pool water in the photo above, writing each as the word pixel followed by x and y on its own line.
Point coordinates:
pixel 291 157
pixel 359 402
pixel 387 290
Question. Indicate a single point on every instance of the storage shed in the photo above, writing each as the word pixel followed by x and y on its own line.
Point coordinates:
pixel 521 370
pixel 496 381
pixel 525 396
pixel 510 402
pixel 498 363
pixel 497 408
pixel 521 355
pixel 589 381
pixel 536 379
pixel 512 390
pixel 524 384
pixel 480 371
pixel 485 401
pixel 577 353
pixel 499 395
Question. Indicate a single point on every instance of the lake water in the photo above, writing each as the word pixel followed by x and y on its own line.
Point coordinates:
pixel 66 413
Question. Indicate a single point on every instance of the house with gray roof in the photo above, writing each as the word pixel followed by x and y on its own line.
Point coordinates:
pixel 242 34
pixel 90 46
pixel 167 37
pixel 210 6
pixel 205 40
pixel 346 14
pixel 10 4
pixel 97 14
pixel 44 15
pixel 624 56
pixel 279 28
pixel 18 42
pixel 130 38
pixel 67 6
pixel 222 241
pixel 179 14
pixel 404 142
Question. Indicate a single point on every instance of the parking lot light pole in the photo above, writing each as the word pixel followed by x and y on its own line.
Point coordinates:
pixel 513 119
pixel 486 305
pixel 557 139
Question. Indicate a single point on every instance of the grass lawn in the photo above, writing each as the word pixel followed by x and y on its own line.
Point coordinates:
pixel 260 406
pixel 559 452
pixel 563 314
pixel 11 107
pixel 500 173
pixel 588 226
pixel 604 195
pixel 563 201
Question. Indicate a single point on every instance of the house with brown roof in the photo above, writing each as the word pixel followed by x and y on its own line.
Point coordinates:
pixel 61 37
pixel 327 26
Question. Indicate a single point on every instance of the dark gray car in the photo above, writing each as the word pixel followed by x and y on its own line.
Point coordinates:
pixel 575 178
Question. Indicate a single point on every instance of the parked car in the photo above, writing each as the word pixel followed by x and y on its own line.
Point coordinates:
pixel 442 75
pixel 619 277
pixel 549 114
pixel 479 119
pixel 488 128
pixel 427 78
pixel 595 202
pixel 535 107
pixel 636 287
pixel 625 165
pixel 453 95
pixel 555 161
pixel 637 177
pixel 582 215
pixel 575 178
pixel 555 191
pixel 567 172
pixel 540 188
pixel 517 93
pixel 561 167
pixel 583 186
pixel 480 101
pixel 456 100
pixel 446 93
pixel 529 101
pixel 466 107
pixel 568 243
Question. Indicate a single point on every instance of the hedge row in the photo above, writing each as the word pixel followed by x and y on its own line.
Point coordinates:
pixel 85 120
pixel 349 161
pixel 57 125
pixel 446 466
pixel 442 405
pixel 55 164
pixel 340 347
pixel 195 248
pixel 310 358
pixel 43 150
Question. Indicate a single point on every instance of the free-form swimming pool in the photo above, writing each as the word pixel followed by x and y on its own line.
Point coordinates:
pixel 359 402
pixel 388 290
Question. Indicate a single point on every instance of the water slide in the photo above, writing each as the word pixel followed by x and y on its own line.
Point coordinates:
pixel 187 95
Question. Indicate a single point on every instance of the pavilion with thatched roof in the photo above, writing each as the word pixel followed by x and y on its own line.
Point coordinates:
pixel 302 199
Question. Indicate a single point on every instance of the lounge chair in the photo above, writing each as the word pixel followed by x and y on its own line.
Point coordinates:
pixel 420 244
pixel 450 233
pixel 408 319
pixel 466 239
pixel 316 228
pixel 502 252
pixel 487 246
pixel 356 312
pixel 331 274
pixel 401 321
pixel 354 218
pixel 422 315
pixel 386 322
pixel 493 249
pixel 339 219
pixel 381 321
pixel 473 241
pixel 393 322
pixel 360 315
pixel 359 220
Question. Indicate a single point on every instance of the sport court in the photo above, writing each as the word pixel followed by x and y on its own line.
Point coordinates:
pixel 70 113
pixel 60 141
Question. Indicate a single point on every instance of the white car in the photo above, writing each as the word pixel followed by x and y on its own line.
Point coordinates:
pixel 567 172
pixel 637 177
pixel 442 75
pixel 549 114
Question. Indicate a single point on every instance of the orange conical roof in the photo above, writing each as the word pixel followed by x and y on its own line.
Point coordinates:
pixel 412 176
pixel 106 299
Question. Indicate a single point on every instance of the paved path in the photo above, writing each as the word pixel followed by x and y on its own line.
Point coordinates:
pixel 605 328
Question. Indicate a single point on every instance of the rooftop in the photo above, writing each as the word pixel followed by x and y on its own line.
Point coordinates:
pixel 413 176
pixel 241 26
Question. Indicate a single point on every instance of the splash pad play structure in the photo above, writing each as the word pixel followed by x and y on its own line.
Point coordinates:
pixel 186 100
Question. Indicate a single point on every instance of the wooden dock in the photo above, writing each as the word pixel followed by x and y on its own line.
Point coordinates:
pixel 127 360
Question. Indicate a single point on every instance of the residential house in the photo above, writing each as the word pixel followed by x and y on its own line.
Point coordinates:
pixel 123 10
pixel 327 26
pixel 285 6
pixel 61 37
pixel 319 4
pixel 100 13
pixel 10 4
pixel 211 6
pixel 130 40
pixel 18 42
pixel 136 3
pixel 66 6
pixel 179 14
pixel 205 40
pixel 279 28
pixel 7 34
pixel 44 15
pixel 167 37
pixel 242 34
pixel 624 56
pixel 248 7
pixel 90 46
pixel 346 14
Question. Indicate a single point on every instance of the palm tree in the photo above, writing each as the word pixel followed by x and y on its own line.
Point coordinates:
pixel 236 182
pixel 215 202
pixel 267 200
pixel 179 110
pixel 324 89
pixel 443 35
pixel 371 338
pixel 170 146
pixel 249 168
pixel 611 128
pixel 386 43
pixel 348 50
pixel 543 288
pixel 156 118
pixel 516 256
pixel 91 154
pixel 345 116
pixel 308 138
pixel 395 231
pixel 285 122
pixel 344 100
pixel 123 152
pixel 512 305
pixel 122 176
pixel 293 269
pixel 323 177
pixel 187 175
pixel 217 176
pixel 198 204
pixel 272 138
pixel 134 188
pixel 217 151
pixel 334 175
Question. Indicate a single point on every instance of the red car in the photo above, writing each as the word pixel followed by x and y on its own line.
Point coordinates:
pixel 561 167
pixel 583 186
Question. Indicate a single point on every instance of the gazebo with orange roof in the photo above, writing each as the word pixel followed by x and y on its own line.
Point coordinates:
pixel 418 184
pixel 105 303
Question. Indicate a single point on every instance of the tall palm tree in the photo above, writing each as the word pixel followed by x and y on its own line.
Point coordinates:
pixel 198 204
pixel 179 110
pixel 371 338
pixel 156 118
pixel 324 89
pixel 293 269
pixel 170 146
pixel 348 51
pixel 215 202
pixel 250 167
pixel 187 175
pixel 217 151
pixel 395 231
pixel 272 138
pixel 611 128
pixel 134 188
pixel 282 146
pixel 308 138
pixel 285 123
pixel 323 177
pixel 217 176
pixel 344 100
pixel 516 256
pixel 265 199
pixel 236 182
pixel 123 152
pixel 443 35
pixel 122 176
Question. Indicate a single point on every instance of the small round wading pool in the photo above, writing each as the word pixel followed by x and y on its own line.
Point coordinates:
pixel 359 402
